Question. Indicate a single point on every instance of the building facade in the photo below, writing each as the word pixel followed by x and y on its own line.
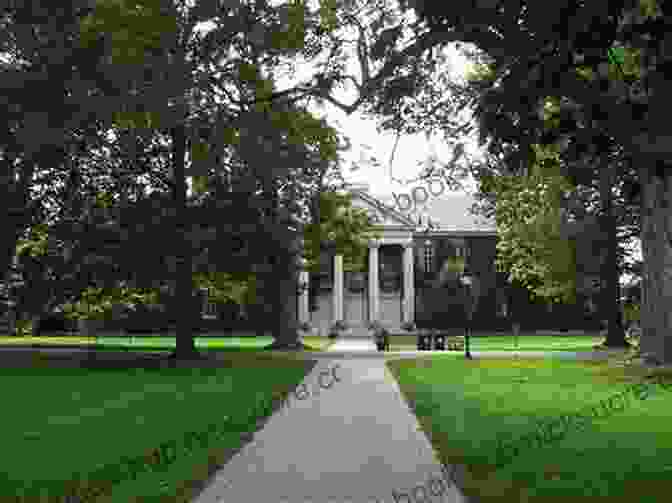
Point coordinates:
pixel 412 273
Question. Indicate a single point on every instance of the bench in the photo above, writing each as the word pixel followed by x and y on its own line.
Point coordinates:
pixel 439 341
pixel 455 343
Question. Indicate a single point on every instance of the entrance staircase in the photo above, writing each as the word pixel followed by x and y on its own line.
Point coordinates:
pixel 358 332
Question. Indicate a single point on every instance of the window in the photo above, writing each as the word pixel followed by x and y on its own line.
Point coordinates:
pixel 208 308
pixel 429 257
pixel 325 276
pixel 463 250
pixel 356 281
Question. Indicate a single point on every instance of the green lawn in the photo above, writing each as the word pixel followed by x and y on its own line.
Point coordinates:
pixel 162 343
pixel 466 406
pixel 58 422
pixel 507 343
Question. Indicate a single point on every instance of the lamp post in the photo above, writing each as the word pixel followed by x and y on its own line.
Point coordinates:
pixel 466 280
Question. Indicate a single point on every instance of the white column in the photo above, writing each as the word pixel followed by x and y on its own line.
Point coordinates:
pixel 373 280
pixel 337 296
pixel 304 314
pixel 409 293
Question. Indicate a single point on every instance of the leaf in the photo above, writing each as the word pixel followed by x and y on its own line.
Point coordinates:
pixel 328 17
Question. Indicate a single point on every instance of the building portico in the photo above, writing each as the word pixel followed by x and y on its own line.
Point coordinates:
pixel 361 297
pixel 383 291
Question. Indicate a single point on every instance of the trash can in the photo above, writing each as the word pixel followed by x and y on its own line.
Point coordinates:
pixel 424 341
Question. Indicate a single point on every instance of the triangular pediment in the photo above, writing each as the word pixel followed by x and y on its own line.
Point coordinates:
pixel 381 213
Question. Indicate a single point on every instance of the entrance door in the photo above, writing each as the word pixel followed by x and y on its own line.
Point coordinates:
pixel 356 298
pixel 391 285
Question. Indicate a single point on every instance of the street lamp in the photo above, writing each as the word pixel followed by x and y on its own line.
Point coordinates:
pixel 467 281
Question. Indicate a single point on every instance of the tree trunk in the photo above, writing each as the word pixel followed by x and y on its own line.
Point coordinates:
pixel 286 329
pixel 656 315
pixel 284 277
pixel 15 196
pixel 610 273
pixel 285 274
pixel 12 306
pixel 185 347
pixel 35 325
pixel 258 310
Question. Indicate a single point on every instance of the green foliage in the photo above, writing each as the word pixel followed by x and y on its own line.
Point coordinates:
pixel 223 287
pixel 36 243
pixel 293 37
pixel 624 64
pixel 530 246
pixel 303 128
pixel 455 264
pixel 480 72
pixel 143 54
pixel 631 312
pixel 133 27
pixel 328 17
pixel 98 302
pixel 348 229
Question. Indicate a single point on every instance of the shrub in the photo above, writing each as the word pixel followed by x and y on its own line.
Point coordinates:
pixel 375 326
pixel 340 325
pixel 337 328
pixel 631 312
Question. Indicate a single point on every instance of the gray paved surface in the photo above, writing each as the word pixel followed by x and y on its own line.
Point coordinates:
pixel 356 442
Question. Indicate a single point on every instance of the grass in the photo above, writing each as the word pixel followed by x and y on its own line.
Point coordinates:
pixel 58 422
pixel 466 406
pixel 161 343
pixel 507 343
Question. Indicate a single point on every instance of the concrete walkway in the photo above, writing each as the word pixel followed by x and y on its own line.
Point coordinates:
pixel 357 442
pixel 352 344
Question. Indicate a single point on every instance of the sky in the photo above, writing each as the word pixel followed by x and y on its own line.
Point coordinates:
pixel 368 143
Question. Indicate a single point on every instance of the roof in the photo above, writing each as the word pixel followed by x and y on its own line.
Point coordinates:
pixel 385 208
pixel 451 212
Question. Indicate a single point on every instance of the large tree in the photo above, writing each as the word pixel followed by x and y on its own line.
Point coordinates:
pixel 530 247
pixel 576 70
pixel 48 90
pixel 590 212
pixel 176 80
pixel 559 50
